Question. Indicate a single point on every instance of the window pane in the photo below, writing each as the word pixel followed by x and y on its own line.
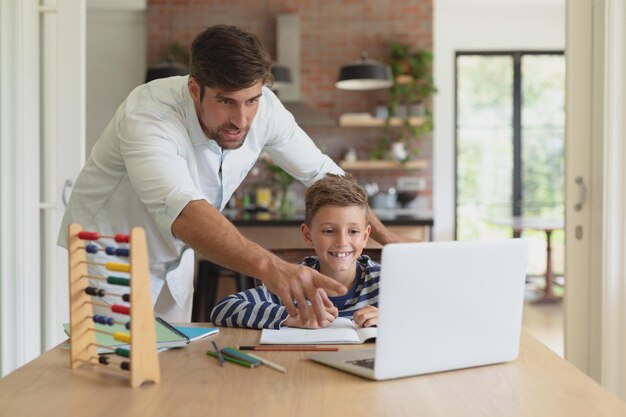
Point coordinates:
pixel 484 144
pixel 543 121
pixel 543 154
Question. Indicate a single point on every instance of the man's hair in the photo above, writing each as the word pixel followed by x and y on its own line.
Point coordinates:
pixel 333 190
pixel 228 58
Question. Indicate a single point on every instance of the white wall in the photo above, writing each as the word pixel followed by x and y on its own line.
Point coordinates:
pixel 116 60
pixel 478 25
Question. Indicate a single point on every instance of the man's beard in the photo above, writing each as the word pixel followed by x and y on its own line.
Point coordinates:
pixel 227 143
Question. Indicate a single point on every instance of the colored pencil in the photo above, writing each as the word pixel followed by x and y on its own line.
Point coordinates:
pixel 234 353
pixel 219 354
pixel 269 363
pixel 291 348
pixel 233 360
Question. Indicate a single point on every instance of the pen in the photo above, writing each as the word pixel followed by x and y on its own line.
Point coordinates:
pixel 291 348
pixel 233 353
pixel 218 353
pixel 233 360
pixel 269 363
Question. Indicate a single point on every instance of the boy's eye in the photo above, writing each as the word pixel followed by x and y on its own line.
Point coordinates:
pixel 355 231
pixel 327 231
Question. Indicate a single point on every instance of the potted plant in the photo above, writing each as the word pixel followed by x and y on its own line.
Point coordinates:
pixel 408 100
pixel 283 179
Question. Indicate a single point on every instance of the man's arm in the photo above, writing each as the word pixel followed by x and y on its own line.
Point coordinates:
pixel 381 234
pixel 209 233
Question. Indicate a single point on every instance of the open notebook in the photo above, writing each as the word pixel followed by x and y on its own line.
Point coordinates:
pixel 168 335
pixel 342 331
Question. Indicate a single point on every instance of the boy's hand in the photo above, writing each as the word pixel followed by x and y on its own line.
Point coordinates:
pixel 330 314
pixel 366 317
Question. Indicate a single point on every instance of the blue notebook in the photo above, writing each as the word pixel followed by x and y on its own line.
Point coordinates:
pixel 195 333
pixel 190 333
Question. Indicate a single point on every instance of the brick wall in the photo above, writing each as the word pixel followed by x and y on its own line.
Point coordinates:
pixel 334 33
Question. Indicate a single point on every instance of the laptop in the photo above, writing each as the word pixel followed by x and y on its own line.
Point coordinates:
pixel 443 306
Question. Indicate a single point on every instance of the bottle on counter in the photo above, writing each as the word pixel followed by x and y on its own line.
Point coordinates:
pixel 263 198
pixel 381 111
pixel 350 155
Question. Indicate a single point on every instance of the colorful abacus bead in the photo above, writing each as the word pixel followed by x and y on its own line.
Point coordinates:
pixel 117 251
pixel 98 292
pixel 110 250
pixel 103 319
pixel 119 238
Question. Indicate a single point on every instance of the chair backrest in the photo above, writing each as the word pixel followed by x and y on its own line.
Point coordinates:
pixel 295 255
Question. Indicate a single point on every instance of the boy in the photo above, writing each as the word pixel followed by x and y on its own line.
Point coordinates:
pixel 336 227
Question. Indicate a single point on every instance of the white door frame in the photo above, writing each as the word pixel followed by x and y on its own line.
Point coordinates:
pixel 19 183
pixel 595 271
pixel 39 112
pixel 613 290
pixel 63 148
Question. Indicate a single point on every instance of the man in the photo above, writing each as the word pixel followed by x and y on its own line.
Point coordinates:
pixel 174 153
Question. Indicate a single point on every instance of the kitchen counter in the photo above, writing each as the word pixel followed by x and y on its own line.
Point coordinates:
pixel 388 217
pixel 273 232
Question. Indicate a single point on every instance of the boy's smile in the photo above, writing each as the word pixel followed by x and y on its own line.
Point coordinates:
pixel 338 235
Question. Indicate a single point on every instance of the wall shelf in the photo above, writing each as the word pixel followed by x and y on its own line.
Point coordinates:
pixel 366 165
pixel 367 120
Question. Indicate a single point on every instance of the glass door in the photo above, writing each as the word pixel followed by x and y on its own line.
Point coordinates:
pixel 510 151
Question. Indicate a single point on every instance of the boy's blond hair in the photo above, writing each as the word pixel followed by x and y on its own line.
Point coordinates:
pixel 334 190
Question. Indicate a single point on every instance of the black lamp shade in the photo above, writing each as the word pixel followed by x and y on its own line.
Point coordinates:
pixel 364 75
pixel 282 76
pixel 166 69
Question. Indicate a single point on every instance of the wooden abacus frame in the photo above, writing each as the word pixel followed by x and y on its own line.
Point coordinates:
pixel 143 348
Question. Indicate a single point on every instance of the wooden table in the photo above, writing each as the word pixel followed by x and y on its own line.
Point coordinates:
pixel 537 384
pixel 521 223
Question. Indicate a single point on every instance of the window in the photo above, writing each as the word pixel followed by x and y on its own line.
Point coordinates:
pixel 510 124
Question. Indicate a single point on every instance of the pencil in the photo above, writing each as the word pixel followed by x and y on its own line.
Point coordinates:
pixel 291 348
pixel 269 363
pixel 219 354
pixel 234 353
pixel 233 360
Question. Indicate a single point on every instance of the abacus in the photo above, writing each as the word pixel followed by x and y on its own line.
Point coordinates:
pixel 141 336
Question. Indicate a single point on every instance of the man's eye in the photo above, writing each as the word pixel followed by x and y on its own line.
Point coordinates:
pixel 252 101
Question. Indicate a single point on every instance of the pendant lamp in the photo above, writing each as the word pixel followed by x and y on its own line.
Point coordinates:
pixel 282 76
pixel 364 74
pixel 168 68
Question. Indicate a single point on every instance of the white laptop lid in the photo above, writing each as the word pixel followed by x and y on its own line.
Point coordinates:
pixel 449 305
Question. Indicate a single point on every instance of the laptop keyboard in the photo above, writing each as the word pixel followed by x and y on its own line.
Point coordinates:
pixel 366 363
